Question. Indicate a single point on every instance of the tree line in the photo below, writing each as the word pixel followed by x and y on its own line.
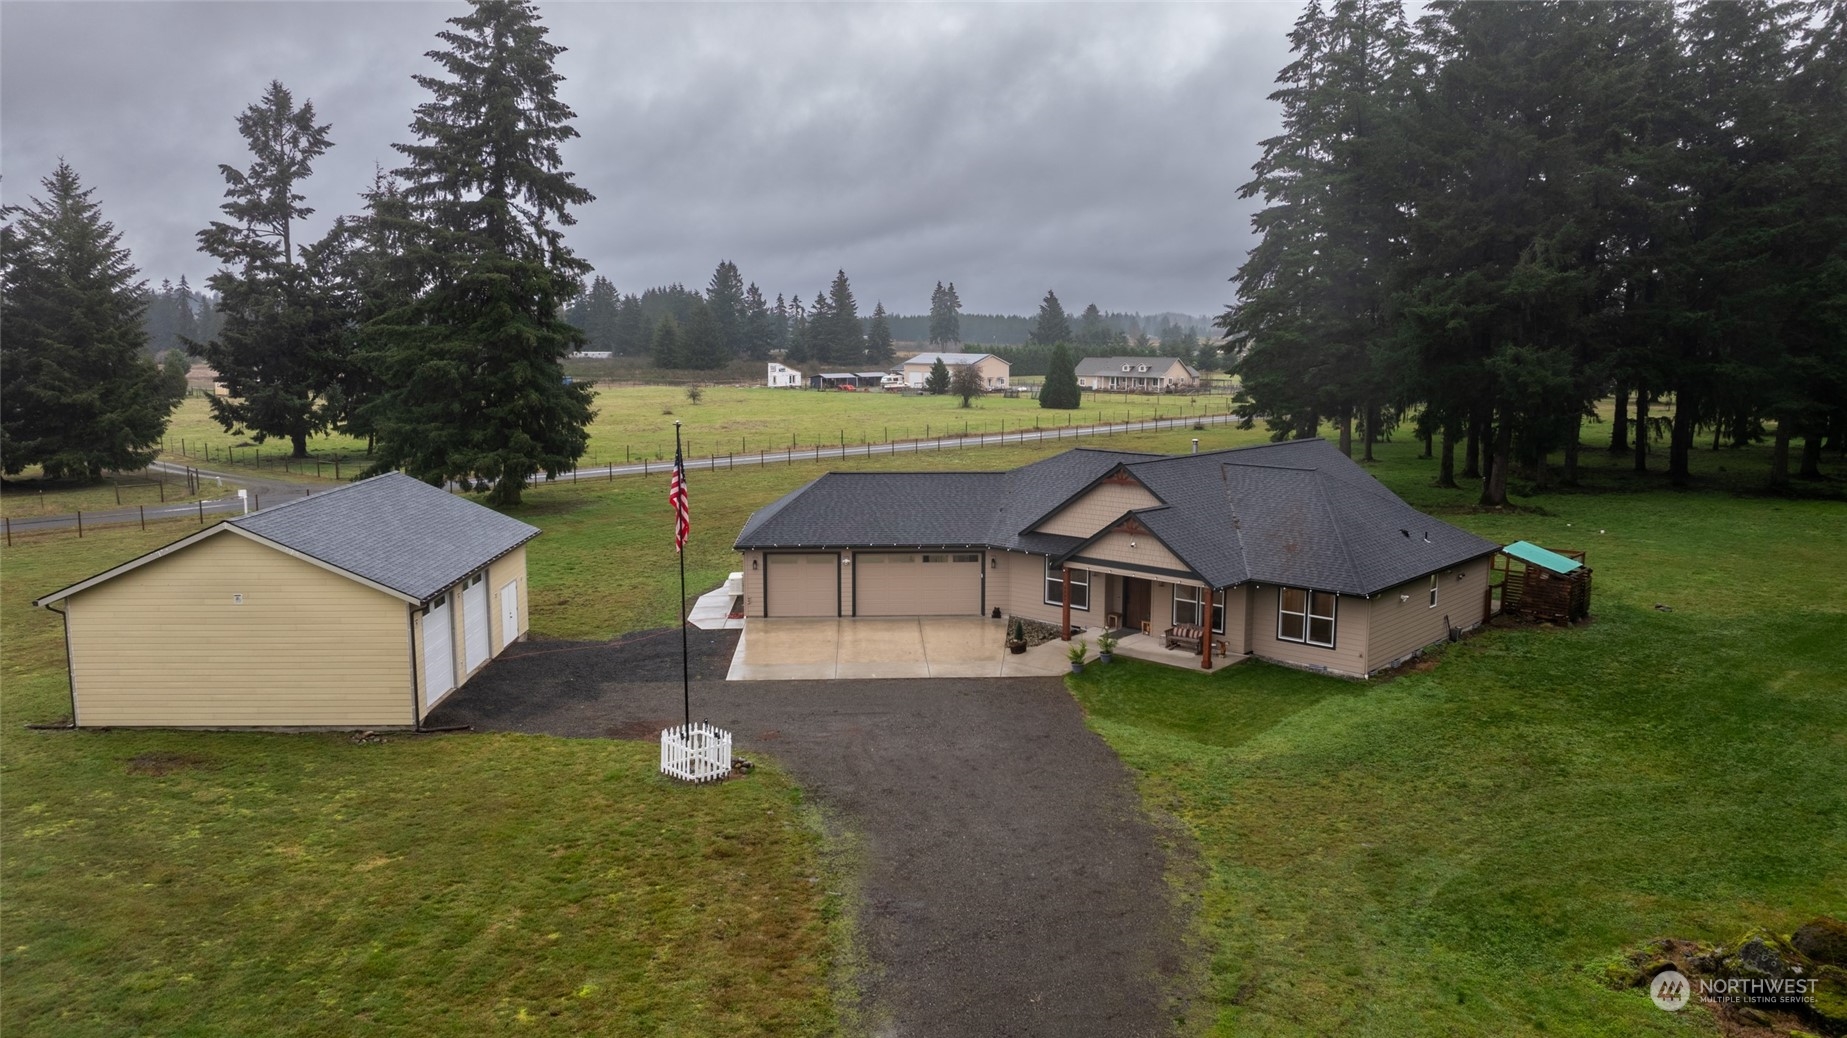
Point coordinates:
pixel 1490 220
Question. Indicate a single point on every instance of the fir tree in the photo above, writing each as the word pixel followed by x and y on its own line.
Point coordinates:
pixel 945 316
pixel 272 352
pixel 878 338
pixel 1092 333
pixel 936 383
pixel 476 391
pixel 78 393
pixel 1061 390
pixel 666 347
pixel 759 325
pixel 846 342
pixel 702 343
pixel 725 296
pixel 630 333
pixel 1051 327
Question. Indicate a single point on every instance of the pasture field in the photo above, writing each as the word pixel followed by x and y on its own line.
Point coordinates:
pixel 634 422
pixel 28 494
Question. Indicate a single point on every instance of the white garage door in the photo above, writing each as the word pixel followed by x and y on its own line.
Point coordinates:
pixel 438 652
pixel 801 584
pixel 917 584
pixel 475 623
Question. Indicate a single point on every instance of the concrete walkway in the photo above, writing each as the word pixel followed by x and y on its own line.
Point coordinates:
pixel 824 648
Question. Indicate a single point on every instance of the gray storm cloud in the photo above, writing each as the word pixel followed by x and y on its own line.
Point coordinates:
pixel 1094 149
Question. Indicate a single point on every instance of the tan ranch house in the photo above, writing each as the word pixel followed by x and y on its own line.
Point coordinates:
pixel 994 371
pixel 360 607
pixel 1136 374
pixel 1289 552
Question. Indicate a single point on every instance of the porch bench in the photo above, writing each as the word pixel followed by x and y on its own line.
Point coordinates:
pixel 1185 636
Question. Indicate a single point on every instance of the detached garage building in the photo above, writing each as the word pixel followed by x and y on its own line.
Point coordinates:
pixel 361 607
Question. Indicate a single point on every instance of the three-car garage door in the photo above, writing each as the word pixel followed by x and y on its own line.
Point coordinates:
pixel 917 583
pixel 801 584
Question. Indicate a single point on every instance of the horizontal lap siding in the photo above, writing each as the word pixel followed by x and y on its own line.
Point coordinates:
pixel 753 583
pixel 1348 656
pixel 1097 509
pixel 166 645
pixel 1017 586
pixel 1401 627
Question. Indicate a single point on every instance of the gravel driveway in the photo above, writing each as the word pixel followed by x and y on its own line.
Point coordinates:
pixel 1012 884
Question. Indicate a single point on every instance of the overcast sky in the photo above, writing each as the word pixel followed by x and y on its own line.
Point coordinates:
pixel 1093 149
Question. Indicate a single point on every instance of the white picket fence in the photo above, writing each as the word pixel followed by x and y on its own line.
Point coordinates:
pixel 698 752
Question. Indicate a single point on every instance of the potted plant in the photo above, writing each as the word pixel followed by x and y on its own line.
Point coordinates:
pixel 1106 647
pixel 1076 655
pixel 1016 637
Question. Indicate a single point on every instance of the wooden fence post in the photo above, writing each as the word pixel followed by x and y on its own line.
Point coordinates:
pixel 144 516
pixel 80 523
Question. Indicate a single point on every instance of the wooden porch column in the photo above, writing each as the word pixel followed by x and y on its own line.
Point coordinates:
pixel 1205 631
pixel 1064 626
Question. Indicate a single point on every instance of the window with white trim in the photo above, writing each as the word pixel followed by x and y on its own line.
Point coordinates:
pixel 1305 616
pixel 1187 600
pixel 1055 587
pixel 1433 591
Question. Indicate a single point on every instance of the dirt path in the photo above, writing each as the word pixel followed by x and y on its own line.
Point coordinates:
pixel 1012 884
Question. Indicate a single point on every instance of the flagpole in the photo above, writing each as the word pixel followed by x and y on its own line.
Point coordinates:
pixel 686 685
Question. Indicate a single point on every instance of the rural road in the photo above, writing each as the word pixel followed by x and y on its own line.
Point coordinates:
pixel 268 490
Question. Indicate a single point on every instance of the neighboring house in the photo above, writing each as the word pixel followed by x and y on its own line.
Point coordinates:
pixel 994 371
pixel 359 607
pixel 1289 551
pixel 1136 374
pixel 784 377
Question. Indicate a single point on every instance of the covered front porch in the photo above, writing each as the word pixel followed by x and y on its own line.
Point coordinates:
pixel 1159 617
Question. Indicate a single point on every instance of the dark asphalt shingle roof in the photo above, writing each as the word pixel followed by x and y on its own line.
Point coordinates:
pixel 392 530
pixel 1113 366
pixel 1297 513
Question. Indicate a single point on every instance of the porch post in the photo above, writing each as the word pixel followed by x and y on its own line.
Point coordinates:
pixel 1205 631
pixel 1065 608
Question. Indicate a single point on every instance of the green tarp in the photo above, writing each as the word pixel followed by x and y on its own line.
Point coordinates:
pixel 1526 551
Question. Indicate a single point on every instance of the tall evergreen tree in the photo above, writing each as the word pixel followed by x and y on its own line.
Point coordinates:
pixel 879 350
pixel 1092 333
pixel 601 311
pixel 475 388
pixel 725 296
pixel 798 351
pixel 667 348
pixel 846 341
pixel 702 343
pixel 272 352
pixel 1051 327
pixel 630 332
pixel 759 325
pixel 1061 391
pixel 78 393
pixel 367 275
pixel 945 316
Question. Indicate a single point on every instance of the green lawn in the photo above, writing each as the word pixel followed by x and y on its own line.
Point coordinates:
pixel 1459 850
pixel 635 422
pixel 179 883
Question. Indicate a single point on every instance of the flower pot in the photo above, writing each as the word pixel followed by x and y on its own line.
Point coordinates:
pixel 1077 668
pixel 1105 657
pixel 1016 647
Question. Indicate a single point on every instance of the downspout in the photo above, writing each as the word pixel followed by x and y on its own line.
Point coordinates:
pixel 70 668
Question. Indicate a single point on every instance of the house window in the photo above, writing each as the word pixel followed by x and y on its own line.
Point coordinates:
pixel 1433 591
pixel 1305 616
pixel 1187 601
pixel 1055 589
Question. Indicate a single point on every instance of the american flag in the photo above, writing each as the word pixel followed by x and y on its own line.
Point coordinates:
pixel 676 494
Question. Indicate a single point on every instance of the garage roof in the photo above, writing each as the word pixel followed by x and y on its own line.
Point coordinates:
pixel 393 532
